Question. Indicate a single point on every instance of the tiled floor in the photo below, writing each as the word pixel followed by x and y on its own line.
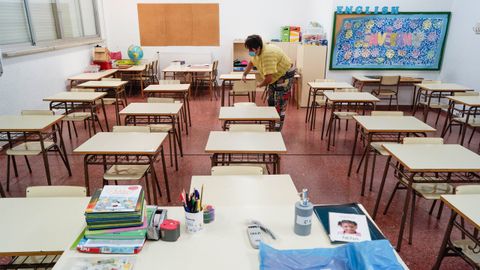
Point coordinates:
pixel 311 166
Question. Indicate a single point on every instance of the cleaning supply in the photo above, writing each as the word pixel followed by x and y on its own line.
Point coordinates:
pixel 303 215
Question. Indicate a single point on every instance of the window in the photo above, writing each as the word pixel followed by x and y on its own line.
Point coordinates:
pixel 33 21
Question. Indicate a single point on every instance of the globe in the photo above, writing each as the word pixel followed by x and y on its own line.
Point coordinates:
pixel 135 52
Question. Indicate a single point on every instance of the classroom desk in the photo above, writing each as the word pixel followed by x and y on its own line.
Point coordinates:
pixel 433 163
pixel 361 81
pixel 229 78
pixel 316 87
pixel 246 190
pixel 180 91
pixel 109 148
pixel 34 128
pixel 467 113
pixel 71 101
pixel 193 70
pixel 465 206
pixel 383 129
pixel 92 76
pixel 435 91
pixel 268 115
pixel 117 86
pixel 345 100
pixel 134 73
pixel 157 113
pixel 246 147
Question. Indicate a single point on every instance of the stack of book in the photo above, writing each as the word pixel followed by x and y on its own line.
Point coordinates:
pixel 117 219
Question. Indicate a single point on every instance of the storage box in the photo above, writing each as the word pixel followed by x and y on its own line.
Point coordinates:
pixel 101 54
pixel 285 33
pixel 294 33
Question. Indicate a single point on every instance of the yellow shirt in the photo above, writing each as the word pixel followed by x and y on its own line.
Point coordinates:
pixel 272 60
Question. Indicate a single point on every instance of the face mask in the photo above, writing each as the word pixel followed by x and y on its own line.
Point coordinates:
pixel 252 54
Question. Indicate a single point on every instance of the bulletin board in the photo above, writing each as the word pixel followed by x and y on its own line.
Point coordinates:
pixel 179 24
pixel 409 41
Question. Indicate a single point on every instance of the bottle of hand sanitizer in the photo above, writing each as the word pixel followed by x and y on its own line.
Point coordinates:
pixel 303 215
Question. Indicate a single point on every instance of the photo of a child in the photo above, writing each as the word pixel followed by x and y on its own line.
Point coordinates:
pixel 349 227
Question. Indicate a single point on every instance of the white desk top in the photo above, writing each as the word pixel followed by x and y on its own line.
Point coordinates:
pixel 435 157
pixel 443 87
pixel 403 79
pixel 236 76
pixel 154 109
pixel 351 97
pixel 189 68
pixel 329 85
pixel 40 225
pixel 103 84
pixel 135 68
pixel 167 88
pixel 27 123
pixel 245 142
pixel 94 76
pixel 246 190
pixel 472 101
pixel 131 143
pixel 465 205
pixel 76 96
pixel 392 124
pixel 248 113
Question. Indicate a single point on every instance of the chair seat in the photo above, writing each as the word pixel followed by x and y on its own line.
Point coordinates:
pixel 466 246
pixel 160 127
pixel 380 149
pixel 474 122
pixel 240 169
pixel 435 105
pixel 125 172
pixel 77 116
pixel 238 94
pixel 110 101
pixel 28 149
pixel 384 92
pixel 430 191
pixel 345 115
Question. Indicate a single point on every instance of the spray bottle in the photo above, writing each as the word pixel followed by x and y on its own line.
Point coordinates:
pixel 303 214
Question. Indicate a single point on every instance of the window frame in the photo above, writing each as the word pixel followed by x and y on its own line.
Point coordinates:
pixel 62 42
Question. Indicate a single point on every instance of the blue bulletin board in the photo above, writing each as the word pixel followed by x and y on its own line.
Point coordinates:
pixel 412 41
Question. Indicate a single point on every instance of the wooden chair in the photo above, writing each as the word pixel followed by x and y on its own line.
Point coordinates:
pixel 316 99
pixel 120 173
pixel 55 191
pixel 347 115
pixel 459 118
pixel 435 102
pixel 122 100
pixel 388 89
pixel 29 148
pixel 428 191
pixel 242 89
pixel 167 127
pixel 247 127
pixel 81 116
pixel 209 79
pixel 237 170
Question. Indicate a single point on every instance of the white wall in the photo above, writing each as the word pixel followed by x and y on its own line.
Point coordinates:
pixel 462 58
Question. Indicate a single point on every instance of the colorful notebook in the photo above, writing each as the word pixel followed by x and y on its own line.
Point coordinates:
pixel 121 198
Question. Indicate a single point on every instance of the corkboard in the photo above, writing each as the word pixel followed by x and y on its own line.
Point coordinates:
pixel 179 24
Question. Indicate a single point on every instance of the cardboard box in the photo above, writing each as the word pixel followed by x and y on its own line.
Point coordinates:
pixel 285 34
pixel 101 54
pixel 294 34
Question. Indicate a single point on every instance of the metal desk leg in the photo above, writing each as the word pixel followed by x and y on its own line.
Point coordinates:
pixel 64 150
pixel 443 247
pixel 382 185
pixel 154 179
pixel 357 128
pixel 405 212
pixel 45 159
pixel 117 115
pixel 85 171
pixel 464 126
pixel 365 169
pixel 330 124
pixel 165 176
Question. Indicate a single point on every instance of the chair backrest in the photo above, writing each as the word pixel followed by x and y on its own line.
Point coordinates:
pixel 466 94
pixel 422 140
pixel 37 112
pixel 467 189
pixel 111 79
pixel 160 100
pixel 82 90
pixel 389 80
pixel 142 129
pixel 244 104
pixel 344 90
pixel 324 80
pixel 237 170
pixel 244 87
pixel 168 81
pixel 387 113
pixel 247 127
pixel 56 191
pixel 430 82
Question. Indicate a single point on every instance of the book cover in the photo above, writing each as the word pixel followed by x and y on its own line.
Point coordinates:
pixel 111 246
pixel 348 227
pixel 103 263
pixel 121 198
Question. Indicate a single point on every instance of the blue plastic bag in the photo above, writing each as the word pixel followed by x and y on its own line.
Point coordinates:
pixel 363 255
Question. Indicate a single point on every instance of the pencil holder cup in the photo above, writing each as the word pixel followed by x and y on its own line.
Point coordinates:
pixel 194 222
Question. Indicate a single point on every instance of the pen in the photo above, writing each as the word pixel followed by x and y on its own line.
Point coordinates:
pixel 201 197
